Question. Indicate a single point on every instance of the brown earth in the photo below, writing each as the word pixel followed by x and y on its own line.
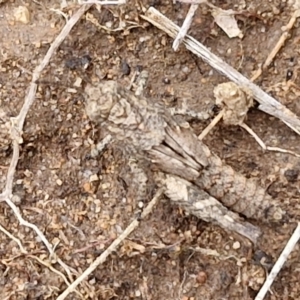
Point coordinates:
pixel 56 184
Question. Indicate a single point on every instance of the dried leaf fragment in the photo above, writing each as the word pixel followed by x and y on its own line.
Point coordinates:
pixel 226 21
pixel 22 14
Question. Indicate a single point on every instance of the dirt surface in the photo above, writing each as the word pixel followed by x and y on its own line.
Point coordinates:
pixel 82 204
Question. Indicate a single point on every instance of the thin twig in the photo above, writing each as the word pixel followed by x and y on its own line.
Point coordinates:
pixel 278 45
pixel 37 72
pixel 30 97
pixel 185 26
pixel 267 103
pixel 23 250
pixel 254 135
pixel 17 127
pixel 100 259
pixel 276 149
pixel 280 262
pixel 211 125
pixel 263 145
pixel 271 56
pixel 48 265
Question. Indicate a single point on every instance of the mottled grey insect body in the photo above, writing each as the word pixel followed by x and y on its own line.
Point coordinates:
pixel 174 149
pixel 124 115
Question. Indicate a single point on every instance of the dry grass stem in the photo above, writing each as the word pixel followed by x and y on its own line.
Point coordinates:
pixel 278 45
pixel 254 135
pixel 185 26
pixel 276 149
pixel 278 265
pixel 48 265
pixel 101 259
pixel 267 103
pixel 263 145
pixel 17 127
pixel 211 125
pixel 271 56
pixel 23 250
pixel 293 19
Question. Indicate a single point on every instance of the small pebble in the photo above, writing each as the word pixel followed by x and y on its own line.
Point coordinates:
pixel 59 182
pixel 22 14
pixel 77 82
pixel 236 245
pixel 105 185
pixel 94 177
pixel 166 80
